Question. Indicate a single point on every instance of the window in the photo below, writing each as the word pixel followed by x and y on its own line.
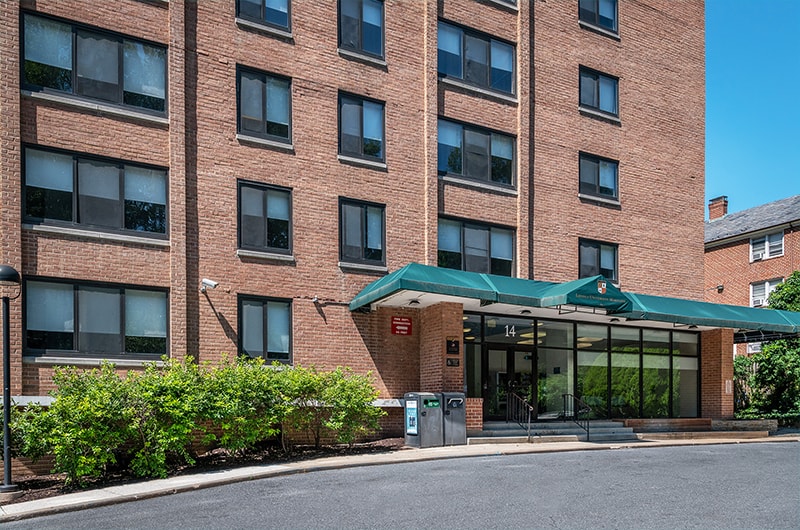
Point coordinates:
pixel 264 105
pixel 264 218
pixel 476 59
pixel 361 26
pixel 361 128
pixel 361 232
pixel 102 320
pixel 94 192
pixel 265 328
pixel 597 258
pixel 600 13
pixel 753 347
pixel 476 247
pixel 270 12
pixel 599 92
pixel 769 246
pixel 759 292
pixel 475 153
pixel 598 176
pixel 95 64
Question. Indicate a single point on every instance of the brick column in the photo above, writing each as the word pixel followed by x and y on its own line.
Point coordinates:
pixel 439 322
pixel 716 369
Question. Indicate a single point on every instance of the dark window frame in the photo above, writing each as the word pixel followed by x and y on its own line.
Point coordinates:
pixel 76 351
pixel 74 91
pixel 265 188
pixel 488 39
pixel 582 155
pixel 491 133
pixel 476 225
pixel 597 75
pixel 599 246
pixel 262 19
pixel 361 154
pixel 77 157
pixel 591 16
pixel 364 206
pixel 265 77
pixel 359 49
pixel 265 354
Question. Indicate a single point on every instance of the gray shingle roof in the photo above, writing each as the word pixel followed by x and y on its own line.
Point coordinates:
pixel 753 219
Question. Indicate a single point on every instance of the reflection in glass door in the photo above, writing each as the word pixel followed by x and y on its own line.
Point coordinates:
pixel 507 369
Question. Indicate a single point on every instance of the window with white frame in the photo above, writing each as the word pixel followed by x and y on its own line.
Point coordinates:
pixel 768 246
pixel 265 328
pixel 98 320
pixel 759 292
pixel 93 63
pixel 753 347
pixel 75 189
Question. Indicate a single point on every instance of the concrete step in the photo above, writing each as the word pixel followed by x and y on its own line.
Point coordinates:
pixel 699 435
pixel 542 432
pixel 473 440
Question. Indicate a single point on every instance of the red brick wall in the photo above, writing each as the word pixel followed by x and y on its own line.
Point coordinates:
pixel 474 414
pixel 716 374
pixel 439 322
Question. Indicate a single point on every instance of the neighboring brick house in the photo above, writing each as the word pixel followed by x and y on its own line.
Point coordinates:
pixel 201 178
pixel 750 252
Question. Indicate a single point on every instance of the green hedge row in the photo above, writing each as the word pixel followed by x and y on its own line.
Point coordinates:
pixel 148 421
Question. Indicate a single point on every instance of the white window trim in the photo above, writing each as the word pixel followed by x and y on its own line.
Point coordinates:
pixel 767 254
pixel 769 286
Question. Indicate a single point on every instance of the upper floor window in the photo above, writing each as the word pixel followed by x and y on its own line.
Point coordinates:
pixel 95 64
pixel 264 218
pixel 264 105
pixel 362 233
pixel 599 91
pixel 361 26
pixel 759 292
pixel 265 328
pixel 600 13
pixel 598 176
pixel 475 153
pixel 361 127
pixel 769 246
pixel 597 258
pixel 270 12
pixel 476 247
pixel 94 192
pixel 476 59
pixel 102 320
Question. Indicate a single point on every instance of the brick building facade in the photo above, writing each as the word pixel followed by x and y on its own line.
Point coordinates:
pixel 293 152
pixel 750 252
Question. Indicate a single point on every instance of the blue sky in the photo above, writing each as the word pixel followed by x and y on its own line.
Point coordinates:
pixel 752 109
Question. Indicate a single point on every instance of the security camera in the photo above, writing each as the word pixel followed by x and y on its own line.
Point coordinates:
pixel 205 282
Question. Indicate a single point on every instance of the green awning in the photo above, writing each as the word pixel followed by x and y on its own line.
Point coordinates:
pixel 690 312
pixel 594 292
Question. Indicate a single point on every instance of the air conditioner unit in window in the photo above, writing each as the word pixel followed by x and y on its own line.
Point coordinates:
pixel 758 256
pixel 758 302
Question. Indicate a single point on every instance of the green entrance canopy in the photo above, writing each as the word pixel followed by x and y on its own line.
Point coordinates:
pixel 595 292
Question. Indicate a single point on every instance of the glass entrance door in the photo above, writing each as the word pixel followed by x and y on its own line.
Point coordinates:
pixel 507 369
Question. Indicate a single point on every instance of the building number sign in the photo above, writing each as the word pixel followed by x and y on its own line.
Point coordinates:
pixel 511 331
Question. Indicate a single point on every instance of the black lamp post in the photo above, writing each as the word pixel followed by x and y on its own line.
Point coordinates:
pixel 7 275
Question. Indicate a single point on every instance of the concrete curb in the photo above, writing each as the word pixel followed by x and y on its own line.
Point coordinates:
pixel 156 488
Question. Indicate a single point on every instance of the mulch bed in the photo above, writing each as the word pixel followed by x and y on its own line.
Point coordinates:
pixel 44 486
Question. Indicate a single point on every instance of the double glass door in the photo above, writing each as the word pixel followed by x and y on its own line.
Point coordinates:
pixel 506 369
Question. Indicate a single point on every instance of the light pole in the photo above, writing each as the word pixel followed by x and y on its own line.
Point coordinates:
pixel 8 275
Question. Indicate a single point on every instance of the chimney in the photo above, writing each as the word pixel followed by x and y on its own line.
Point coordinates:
pixel 717 207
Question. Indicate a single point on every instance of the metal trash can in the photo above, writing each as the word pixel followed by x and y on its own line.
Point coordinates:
pixel 423 419
pixel 455 418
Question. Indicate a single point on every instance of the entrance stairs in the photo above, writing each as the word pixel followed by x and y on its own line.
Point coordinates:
pixel 497 432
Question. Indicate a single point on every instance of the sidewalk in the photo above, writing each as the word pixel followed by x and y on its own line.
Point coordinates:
pixel 155 488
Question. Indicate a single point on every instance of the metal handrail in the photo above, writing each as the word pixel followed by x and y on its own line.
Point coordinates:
pixel 575 410
pixel 519 410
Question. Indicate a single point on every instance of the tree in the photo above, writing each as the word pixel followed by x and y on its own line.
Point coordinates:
pixel 775 383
